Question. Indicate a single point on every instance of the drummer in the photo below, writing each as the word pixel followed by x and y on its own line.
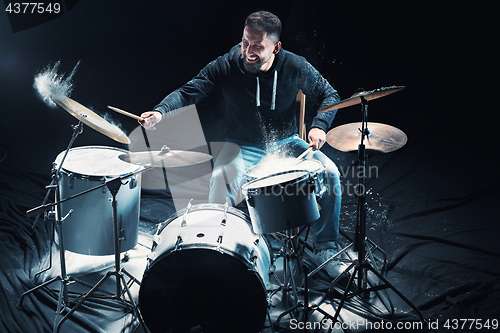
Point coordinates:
pixel 259 81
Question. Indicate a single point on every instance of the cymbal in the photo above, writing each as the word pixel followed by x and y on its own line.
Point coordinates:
pixel 92 119
pixel 383 138
pixel 170 158
pixel 368 95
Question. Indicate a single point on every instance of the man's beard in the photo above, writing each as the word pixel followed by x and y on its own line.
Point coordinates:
pixel 252 67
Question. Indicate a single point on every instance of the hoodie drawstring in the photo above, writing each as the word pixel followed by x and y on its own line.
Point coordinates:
pixel 273 100
pixel 257 94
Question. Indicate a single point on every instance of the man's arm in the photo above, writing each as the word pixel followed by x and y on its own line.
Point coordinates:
pixel 318 87
pixel 190 93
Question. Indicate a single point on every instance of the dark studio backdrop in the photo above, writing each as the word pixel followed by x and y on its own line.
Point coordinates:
pixel 435 199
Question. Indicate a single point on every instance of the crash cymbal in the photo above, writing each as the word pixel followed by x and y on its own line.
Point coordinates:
pixel 383 138
pixel 92 119
pixel 368 95
pixel 170 158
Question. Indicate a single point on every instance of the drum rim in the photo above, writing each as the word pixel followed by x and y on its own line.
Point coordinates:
pixel 247 185
pixel 83 176
pixel 320 166
pixel 213 206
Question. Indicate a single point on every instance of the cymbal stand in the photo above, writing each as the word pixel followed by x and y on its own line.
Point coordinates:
pixel 361 266
pixel 113 186
pixel 63 299
pixel 291 251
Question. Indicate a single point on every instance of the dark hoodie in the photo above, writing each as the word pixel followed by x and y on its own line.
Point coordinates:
pixel 260 107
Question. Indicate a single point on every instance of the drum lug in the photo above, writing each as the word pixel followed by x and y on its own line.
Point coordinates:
pixel 281 193
pixel 226 207
pixel 250 201
pixel 253 258
pixel 311 184
pixel 156 241
pixel 219 242
pixel 71 180
pixel 178 244
pixel 184 217
pixel 132 184
pixel 123 235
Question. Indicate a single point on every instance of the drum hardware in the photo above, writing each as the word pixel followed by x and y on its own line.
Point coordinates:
pixel 293 251
pixel 63 299
pixel 283 196
pixel 119 272
pixel 360 267
pixel 55 213
pixel 90 230
pixel 199 273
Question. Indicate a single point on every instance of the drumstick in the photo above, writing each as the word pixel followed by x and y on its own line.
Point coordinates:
pixel 126 113
pixel 304 153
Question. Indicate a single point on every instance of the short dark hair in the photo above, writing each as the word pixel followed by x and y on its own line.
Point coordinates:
pixel 265 21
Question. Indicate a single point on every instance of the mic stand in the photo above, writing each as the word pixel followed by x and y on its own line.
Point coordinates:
pixel 361 266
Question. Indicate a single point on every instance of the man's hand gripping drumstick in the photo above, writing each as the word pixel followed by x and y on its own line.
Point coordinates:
pixel 151 118
pixel 147 119
pixel 317 139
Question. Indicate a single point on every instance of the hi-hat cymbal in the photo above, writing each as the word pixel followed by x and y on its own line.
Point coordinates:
pixel 170 158
pixel 368 95
pixel 383 138
pixel 92 119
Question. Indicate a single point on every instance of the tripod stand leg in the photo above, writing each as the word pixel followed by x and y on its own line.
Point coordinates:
pixel 349 285
pixel 36 288
pixel 84 298
pixel 134 306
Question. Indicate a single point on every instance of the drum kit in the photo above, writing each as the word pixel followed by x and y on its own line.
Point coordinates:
pixel 210 252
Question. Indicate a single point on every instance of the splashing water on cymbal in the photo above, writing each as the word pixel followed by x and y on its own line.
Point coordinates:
pixel 50 85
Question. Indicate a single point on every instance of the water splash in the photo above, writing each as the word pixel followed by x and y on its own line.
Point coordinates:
pixel 271 138
pixel 50 85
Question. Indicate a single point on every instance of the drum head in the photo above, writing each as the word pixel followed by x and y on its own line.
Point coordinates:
pixel 276 166
pixel 96 161
pixel 187 288
pixel 277 179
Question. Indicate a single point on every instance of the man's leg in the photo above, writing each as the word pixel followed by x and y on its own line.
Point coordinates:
pixel 326 228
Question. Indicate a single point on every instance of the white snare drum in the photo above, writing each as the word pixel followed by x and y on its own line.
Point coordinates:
pixel 284 195
pixel 89 229
pixel 206 268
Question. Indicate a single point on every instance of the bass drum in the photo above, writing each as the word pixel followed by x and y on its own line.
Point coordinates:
pixel 206 268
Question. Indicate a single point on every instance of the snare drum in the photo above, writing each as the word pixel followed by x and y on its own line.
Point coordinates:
pixel 283 196
pixel 89 228
pixel 206 268
pixel 315 169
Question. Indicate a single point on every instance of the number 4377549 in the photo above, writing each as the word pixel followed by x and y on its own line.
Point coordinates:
pixel 33 8
pixel 470 324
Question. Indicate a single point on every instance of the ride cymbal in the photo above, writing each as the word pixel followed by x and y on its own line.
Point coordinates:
pixel 383 138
